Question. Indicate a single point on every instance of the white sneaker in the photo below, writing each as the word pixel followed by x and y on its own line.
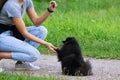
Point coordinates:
pixel 26 66
pixel 1 70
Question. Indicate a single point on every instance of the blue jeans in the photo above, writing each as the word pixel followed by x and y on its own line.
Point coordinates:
pixel 22 50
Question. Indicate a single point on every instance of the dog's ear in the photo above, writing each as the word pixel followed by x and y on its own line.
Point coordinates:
pixel 68 40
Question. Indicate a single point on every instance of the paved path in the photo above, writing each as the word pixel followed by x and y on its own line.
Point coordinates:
pixel 102 69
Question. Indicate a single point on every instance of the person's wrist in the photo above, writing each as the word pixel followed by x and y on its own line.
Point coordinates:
pixel 46 44
pixel 49 10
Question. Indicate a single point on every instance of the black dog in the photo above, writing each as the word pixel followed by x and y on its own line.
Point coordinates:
pixel 72 62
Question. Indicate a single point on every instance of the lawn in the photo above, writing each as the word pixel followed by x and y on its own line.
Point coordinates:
pixel 94 23
pixel 4 76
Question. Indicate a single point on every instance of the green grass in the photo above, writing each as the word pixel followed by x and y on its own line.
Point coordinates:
pixel 94 23
pixel 4 76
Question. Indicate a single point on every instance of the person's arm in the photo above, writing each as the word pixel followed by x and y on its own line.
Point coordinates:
pixel 22 29
pixel 39 20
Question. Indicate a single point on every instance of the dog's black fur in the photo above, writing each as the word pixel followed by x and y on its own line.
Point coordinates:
pixel 72 62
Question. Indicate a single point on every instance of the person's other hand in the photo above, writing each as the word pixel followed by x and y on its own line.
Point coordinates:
pixel 53 5
pixel 51 47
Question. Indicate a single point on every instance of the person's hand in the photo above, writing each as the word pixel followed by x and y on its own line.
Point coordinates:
pixel 52 6
pixel 51 47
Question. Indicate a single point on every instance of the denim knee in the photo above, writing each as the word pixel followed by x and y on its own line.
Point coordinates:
pixel 43 32
pixel 34 55
pixel 43 29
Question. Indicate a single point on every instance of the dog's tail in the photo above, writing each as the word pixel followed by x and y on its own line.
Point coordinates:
pixel 86 68
pixel 89 66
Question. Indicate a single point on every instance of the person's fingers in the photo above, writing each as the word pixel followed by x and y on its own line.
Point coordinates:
pixel 52 49
pixel 53 4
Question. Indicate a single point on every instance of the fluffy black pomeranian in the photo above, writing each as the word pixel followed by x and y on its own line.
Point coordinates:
pixel 72 62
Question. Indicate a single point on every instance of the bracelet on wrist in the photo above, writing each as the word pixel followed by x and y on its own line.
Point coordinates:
pixel 50 10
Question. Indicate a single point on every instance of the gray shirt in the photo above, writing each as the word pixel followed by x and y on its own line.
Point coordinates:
pixel 12 9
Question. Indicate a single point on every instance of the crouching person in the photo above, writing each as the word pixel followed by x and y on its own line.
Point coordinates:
pixel 19 42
